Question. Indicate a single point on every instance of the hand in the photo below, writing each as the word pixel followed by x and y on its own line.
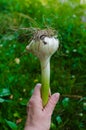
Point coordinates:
pixel 39 118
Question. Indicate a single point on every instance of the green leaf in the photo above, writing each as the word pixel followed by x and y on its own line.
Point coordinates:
pixel 1 100
pixel 24 102
pixel 16 114
pixel 65 102
pixel 84 105
pixel 53 126
pixel 58 119
pixel 11 124
pixel 4 92
pixel 4 100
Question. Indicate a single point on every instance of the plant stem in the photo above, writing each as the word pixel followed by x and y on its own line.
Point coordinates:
pixel 72 96
pixel 45 73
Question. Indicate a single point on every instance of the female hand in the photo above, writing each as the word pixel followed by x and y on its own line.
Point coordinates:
pixel 39 118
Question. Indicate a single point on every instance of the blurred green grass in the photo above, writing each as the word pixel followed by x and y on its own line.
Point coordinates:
pixel 19 73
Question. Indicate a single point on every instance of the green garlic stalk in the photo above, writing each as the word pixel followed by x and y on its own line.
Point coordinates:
pixel 44 46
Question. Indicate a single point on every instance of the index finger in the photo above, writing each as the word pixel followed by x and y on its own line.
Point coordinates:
pixel 37 90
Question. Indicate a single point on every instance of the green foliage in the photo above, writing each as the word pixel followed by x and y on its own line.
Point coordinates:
pixel 12 125
pixel 4 92
pixel 19 72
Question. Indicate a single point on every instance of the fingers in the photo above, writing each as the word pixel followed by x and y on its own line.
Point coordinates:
pixel 37 90
pixel 52 103
pixel 36 95
pixel 35 101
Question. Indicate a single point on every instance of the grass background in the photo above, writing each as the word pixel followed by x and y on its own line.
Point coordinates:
pixel 19 73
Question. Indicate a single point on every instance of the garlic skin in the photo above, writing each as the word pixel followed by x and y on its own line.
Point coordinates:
pixel 44 48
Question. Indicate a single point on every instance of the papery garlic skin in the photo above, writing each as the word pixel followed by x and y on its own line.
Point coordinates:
pixel 44 49
pixel 40 49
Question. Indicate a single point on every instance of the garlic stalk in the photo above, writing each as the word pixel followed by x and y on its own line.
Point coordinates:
pixel 44 46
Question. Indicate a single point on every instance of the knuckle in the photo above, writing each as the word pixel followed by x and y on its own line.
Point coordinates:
pixel 31 101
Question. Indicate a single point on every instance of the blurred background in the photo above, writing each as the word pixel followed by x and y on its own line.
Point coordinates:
pixel 19 72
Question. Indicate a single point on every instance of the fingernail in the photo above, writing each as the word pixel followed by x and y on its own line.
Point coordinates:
pixel 57 95
pixel 38 85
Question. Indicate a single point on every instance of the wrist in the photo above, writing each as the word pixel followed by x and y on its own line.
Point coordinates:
pixel 34 128
pixel 30 128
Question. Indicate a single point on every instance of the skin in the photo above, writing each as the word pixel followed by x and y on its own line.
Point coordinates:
pixel 39 117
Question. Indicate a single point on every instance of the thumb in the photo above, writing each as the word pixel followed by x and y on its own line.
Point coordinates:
pixel 52 103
